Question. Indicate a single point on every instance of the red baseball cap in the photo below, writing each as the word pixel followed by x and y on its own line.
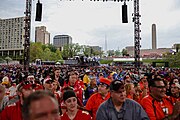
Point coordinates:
pixel 105 81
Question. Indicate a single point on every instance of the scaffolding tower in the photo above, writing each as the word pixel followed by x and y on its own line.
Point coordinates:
pixel 137 38
pixel 27 35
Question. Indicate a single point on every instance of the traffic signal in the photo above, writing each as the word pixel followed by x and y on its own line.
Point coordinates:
pixel 38 11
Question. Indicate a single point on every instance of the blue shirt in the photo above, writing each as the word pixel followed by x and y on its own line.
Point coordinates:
pixel 130 110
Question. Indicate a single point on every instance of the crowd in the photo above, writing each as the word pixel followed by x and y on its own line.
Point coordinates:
pixel 89 93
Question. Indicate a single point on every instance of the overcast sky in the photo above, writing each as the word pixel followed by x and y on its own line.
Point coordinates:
pixel 88 22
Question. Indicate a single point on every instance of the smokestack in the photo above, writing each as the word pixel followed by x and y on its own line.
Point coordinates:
pixel 154 46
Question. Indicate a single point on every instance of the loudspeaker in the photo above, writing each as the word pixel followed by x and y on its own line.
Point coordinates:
pixel 38 11
pixel 124 14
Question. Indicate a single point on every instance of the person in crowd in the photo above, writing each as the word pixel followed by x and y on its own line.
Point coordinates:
pixel 7 84
pixel 127 79
pixel 13 111
pixel 76 85
pixel 86 79
pixel 97 98
pixel 130 91
pixel 91 89
pixel 175 91
pixel 144 86
pixel 56 88
pixel 57 76
pixel 118 107
pixel 175 80
pixel 138 93
pixel 31 78
pixel 73 113
pixel 3 98
pixel 48 84
pixel 41 105
pixel 157 105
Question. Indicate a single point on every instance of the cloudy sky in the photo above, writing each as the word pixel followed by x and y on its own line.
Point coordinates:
pixel 90 23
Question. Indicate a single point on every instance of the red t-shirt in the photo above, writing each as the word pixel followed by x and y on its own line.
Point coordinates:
pixel 156 110
pixel 12 112
pixel 81 115
pixel 78 89
pixel 94 102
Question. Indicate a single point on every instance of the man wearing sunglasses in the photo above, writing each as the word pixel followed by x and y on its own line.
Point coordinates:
pixel 157 105
pixel 118 107
pixel 97 98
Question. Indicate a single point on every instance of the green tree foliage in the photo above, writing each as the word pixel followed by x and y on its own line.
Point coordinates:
pixel 2 60
pixel 7 59
pixel 117 53
pixel 111 52
pixel 174 60
pixel 70 50
pixel 86 50
pixel 47 54
pixel 36 51
pixel 124 52
pixel 52 48
pixel 44 52
pixel 58 55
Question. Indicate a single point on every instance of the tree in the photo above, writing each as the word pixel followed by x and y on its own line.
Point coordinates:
pixel 2 60
pixel 36 51
pixel 58 55
pixel 70 50
pixel 47 54
pixel 111 52
pixel 8 59
pixel 174 60
pixel 124 52
pixel 86 50
pixel 177 48
pixel 52 48
pixel 117 53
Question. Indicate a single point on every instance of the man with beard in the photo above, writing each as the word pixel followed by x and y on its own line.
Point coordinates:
pixel 57 76
pixel 13 111
pixel 118 107
pixel 157 105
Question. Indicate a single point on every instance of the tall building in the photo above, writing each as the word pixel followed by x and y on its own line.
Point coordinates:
pixel 41 35
pixel 60 40
pixel 12 36
pixel 154 46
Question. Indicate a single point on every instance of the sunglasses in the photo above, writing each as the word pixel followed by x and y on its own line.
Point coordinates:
pixel 102 84
pixel 160 86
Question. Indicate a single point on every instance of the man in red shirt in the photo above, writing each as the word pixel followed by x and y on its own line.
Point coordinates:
pixel 97 98
pixel 157 105
pixel 76 85
pixel 13 111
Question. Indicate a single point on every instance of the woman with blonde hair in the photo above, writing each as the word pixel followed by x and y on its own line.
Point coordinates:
pixel 130 91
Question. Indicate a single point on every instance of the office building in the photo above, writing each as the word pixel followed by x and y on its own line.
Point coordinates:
pixel 60 40
pixel 41 35
pixel 12 36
